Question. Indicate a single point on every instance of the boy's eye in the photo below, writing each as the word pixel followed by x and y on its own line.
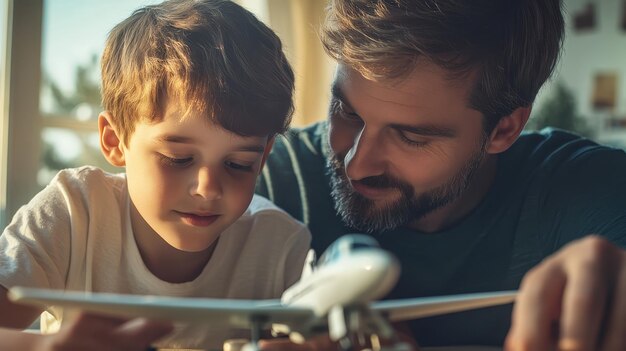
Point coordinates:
pixel 175 162
pixel 239 166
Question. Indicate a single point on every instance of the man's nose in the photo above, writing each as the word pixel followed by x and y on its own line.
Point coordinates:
pixel 207 184
pixel 366 157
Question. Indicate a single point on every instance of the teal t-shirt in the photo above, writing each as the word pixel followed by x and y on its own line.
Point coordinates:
pixel 551 187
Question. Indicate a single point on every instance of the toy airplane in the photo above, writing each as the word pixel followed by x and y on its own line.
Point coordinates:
pixel 335 295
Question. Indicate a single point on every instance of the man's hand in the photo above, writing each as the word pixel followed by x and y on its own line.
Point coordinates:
pixel 96 333
pixel 573 300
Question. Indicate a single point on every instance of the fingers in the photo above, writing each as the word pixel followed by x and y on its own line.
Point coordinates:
pixel 615 335
pixel 585 297
pixel 85 324
pixel 536 308
pixel 284 345
pixel 317 343
pixel 142 332
pixel 571 290
pixel 93 332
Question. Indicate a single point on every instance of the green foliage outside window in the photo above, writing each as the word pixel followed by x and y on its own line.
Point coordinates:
pixel 560 111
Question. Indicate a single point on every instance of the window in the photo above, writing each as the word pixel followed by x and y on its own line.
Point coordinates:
pixel 53 80
pixel 4 69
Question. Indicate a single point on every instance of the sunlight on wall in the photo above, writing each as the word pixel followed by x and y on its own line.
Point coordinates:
pixel 4 72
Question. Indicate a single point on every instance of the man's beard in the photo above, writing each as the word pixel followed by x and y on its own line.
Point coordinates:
pixel 363 214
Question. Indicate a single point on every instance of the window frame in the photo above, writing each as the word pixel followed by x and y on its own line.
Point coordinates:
pixel 23 119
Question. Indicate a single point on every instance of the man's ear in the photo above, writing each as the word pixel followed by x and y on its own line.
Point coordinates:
pixel 507 130
pixel 268 149
pixel 110 140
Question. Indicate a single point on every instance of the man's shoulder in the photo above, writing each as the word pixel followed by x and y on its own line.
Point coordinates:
pixel 554 149
pixel 305 141
pixel 295 171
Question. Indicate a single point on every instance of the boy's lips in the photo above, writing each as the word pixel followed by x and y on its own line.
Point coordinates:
pixel 198 219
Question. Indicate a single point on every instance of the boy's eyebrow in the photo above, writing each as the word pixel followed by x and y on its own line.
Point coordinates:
pixel 179 139
pixel 252 148
pixel 175 139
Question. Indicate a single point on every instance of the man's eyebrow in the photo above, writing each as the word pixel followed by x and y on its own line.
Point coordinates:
pixel 426 130
pixel 251 148
pixel 335 91
pixel 337 94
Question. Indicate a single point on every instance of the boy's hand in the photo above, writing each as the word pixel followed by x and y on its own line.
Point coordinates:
pixel 318 343
pixel 97 333
pixel 323 343
pixel 574 300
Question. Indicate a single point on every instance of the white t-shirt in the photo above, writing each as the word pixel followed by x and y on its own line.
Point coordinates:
pixel 76 235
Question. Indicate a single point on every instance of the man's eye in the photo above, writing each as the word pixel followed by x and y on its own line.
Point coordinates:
pixel 352 116
pixel 405 138
pixel 176 162
pixel 239 166
pixel 342 111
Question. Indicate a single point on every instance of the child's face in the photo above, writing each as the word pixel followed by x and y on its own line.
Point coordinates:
pixel 189 179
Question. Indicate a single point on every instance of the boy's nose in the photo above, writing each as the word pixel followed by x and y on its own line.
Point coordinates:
pixel 207 184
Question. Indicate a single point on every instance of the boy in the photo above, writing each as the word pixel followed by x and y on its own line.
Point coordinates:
pixel 194 92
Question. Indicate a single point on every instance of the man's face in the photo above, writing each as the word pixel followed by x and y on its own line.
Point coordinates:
pixel 403 153
pixel 188 179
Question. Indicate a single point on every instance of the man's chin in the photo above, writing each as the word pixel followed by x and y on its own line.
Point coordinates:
pixel 370 216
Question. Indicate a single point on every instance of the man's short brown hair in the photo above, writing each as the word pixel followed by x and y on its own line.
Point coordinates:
pixel 512 45
pixel 209 56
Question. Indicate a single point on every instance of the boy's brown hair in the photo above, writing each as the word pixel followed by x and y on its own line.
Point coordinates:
pixel 209 56
pixel 513 46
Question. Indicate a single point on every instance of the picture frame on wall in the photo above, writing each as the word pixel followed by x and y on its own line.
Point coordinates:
pixel 585 18
pixel 623 16
pixel 604 93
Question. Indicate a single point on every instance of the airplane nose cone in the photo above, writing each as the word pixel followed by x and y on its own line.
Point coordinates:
pixel 376 272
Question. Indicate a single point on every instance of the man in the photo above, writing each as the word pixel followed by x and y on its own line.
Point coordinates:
pixel 422 149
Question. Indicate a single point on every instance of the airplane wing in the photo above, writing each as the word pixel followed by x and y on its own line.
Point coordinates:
pixel 240 313
pixel 237 313
pixel 404 309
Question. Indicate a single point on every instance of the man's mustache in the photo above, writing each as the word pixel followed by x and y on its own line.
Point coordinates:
pixel 382 181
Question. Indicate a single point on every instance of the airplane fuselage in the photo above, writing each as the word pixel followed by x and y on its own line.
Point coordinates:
pixel 352 271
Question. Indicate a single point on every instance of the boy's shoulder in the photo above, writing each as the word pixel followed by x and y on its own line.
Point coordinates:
pixel 89 181
pixel 264 223
pixel 263 213
pixel 89 173
pixel 262 206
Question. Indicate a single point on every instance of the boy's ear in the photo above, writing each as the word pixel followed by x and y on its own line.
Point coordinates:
pixel 507 130
pixel 110 141
pixel 268 149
